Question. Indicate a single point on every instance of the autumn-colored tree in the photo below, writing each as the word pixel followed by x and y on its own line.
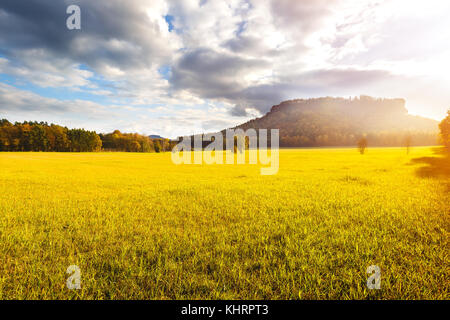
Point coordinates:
pixel 157 145
pixel 39 136
pixel 129 142
pixel 135 146
pixel 444 126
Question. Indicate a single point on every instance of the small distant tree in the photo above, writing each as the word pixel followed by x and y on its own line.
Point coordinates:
pixel 444 126
pixel 408 142
pixel 362 145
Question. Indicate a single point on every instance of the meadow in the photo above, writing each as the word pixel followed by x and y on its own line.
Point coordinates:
pixel 140 227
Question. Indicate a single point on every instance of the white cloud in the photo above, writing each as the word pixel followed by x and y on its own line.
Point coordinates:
pixel 241 55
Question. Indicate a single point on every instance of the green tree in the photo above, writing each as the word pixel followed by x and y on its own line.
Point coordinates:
pixel 84 141
pixel 38 138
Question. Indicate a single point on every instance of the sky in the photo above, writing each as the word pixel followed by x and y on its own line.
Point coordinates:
pixel 175 68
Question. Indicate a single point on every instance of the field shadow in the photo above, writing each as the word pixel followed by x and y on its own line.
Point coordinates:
pixel 435 167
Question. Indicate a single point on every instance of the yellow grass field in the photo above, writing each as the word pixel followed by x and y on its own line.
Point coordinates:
pixel 140 227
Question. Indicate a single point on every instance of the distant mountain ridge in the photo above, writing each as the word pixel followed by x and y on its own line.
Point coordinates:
pixel 341 122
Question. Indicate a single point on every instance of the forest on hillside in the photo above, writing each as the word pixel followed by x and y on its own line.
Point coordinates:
pixel 323 122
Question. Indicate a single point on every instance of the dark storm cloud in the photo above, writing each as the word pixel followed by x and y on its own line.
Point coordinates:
pixel 41 24
pixel 32 24
pixel 211 74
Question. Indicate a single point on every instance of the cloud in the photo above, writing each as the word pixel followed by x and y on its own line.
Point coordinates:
pixel 36 68
pixel 214 75
pixel 169 121
pixel 13 100
pixel 301 17
pixel 112 33
pixel 227 60
pixel 125 44
pixel 309 84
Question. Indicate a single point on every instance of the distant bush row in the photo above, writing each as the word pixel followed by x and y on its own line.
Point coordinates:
pixel 40 136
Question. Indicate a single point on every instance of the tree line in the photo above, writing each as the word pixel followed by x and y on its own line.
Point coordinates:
pixel 40 136
pixel 341 139
pixel 133 142
pixel 444 127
